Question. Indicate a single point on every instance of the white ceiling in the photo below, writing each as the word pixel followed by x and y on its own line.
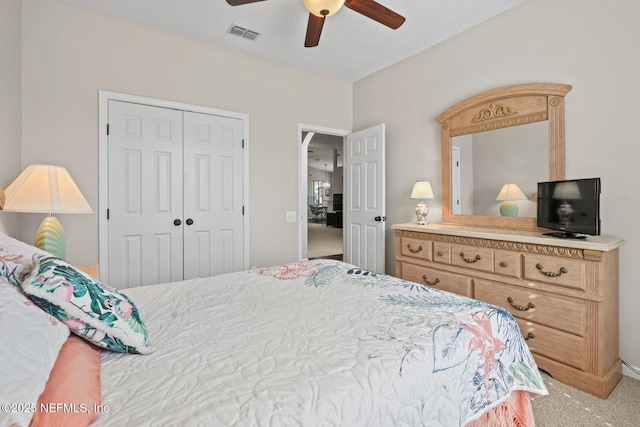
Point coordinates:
pixel 351 46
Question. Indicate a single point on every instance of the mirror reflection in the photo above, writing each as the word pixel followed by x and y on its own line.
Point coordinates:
pixel 482 164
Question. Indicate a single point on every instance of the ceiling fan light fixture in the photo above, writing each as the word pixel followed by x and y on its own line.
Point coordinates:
pixel 323 8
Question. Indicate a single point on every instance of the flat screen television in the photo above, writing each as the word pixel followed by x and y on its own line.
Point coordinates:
pixel 570 207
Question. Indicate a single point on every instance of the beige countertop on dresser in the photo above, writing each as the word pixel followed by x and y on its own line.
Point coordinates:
pixel 596 243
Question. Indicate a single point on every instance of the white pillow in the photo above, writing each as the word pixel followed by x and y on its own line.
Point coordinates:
pixel 16 259
pixel 30 341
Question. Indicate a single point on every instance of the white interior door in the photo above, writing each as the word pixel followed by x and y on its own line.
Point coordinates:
pixel 213 232
pixel 145 194
pixel 364 202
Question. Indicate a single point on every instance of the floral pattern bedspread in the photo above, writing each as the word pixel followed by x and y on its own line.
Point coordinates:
pixel 315 343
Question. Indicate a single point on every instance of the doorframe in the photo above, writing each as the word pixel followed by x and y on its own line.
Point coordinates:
pixel 303 164
pixel 104 97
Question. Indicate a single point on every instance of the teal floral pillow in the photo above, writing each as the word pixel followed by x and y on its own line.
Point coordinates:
pixel 92 310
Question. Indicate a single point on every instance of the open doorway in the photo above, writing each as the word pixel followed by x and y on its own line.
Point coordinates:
pixel 324 194
pixel 320 232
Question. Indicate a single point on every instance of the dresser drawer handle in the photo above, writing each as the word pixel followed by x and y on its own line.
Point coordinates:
pixel 469 260
pixel 551 273
pixel 440 253
pixel 519 307
pixel 529 335
pixel 433 283
pixel 503 264
pixel 414 251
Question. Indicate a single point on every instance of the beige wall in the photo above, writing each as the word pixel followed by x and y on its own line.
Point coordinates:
pixel 69 53
pixel 10 105
pixel 589 44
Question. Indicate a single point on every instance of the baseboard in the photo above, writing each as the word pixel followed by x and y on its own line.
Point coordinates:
pixel 599 386
pixel 628 372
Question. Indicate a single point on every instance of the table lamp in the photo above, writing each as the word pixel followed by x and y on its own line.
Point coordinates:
pixel 508 193
pixel 422 190
pixel 51 190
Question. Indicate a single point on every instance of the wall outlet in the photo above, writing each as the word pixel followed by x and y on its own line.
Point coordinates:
pixel 291 216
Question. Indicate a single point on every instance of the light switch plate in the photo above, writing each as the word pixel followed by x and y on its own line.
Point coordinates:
pixel 291 216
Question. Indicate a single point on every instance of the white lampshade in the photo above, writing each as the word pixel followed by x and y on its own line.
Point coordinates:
pixel 46 189
pixel 511 192
pixel 318 6
pixel 422 190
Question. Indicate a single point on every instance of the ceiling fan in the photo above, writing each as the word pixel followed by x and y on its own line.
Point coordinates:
pixel 320 9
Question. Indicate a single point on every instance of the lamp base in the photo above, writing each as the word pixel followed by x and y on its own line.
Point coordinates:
pixel 508 209
pixel 421 213
pixel 50 237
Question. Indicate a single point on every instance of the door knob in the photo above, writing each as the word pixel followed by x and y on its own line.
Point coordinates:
pixel 189 221
pixel 380 218
pixel 177 222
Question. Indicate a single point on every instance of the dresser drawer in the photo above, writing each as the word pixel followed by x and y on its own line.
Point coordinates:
pixel 473 257
pixel 507 263
pixel 442 252
pixel 557 345
pixel 556 270
pixel 416 248
pixel 547 309
pixel 437 279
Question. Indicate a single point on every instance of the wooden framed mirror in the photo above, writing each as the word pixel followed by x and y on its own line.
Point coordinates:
pixel 522 108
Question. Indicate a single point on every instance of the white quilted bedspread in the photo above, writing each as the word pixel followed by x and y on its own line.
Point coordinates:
pixel 316 343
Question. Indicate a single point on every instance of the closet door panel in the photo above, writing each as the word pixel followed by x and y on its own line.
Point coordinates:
pixel 212 194
pixel 145 194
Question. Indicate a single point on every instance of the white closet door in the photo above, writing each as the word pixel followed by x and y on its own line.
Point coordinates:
pixel 145 194
pixel 213 230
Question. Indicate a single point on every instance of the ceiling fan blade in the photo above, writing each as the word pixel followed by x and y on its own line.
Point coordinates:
pixel 314 29
pixel 241 2
pixel 377 12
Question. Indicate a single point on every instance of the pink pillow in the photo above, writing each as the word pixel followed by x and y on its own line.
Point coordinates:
pixel 74 382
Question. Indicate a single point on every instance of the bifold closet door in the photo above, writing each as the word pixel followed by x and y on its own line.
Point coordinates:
pixel 145 194
pixel 213 230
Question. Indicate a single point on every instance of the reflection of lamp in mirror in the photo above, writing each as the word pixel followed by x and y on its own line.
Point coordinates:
pixel 46 189
pixel 508 193
pixel 566 191
pixel 422 190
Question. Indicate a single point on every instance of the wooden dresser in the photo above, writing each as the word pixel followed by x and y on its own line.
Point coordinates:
pixel 563 292
pixel 92 270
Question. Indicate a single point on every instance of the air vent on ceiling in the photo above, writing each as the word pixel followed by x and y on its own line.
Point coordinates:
pixel 245 33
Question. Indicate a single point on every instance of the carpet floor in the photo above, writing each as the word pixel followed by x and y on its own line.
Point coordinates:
pixel 568 407
pixel 323 242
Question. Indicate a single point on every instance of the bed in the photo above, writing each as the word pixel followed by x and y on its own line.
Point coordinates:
pixel 312 343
